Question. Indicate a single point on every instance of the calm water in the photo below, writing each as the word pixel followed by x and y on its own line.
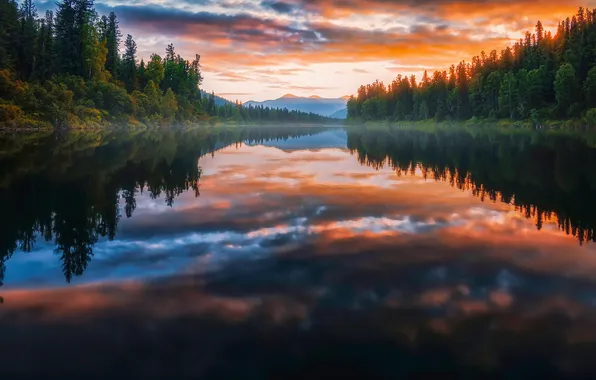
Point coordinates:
pixel 298 253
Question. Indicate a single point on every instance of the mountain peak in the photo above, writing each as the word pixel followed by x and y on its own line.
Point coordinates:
pixel 314 97
pixel 289 96
pixel 346 97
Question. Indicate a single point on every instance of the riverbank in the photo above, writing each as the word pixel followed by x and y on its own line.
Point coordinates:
pixel 574 125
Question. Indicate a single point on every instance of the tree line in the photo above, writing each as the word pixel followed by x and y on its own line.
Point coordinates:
pixel 541 77
pixel 66 69
pixel 238 113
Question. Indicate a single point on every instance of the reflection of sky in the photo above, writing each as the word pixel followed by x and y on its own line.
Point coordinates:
pixel 262 201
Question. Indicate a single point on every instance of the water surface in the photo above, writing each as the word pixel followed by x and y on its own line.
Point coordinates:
pixel 293 251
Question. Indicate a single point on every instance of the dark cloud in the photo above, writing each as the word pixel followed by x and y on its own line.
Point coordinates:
pixel 220 28
pixel 278 6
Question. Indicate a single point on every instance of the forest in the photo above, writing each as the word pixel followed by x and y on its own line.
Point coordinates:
pixel 541 79
pixel 65 69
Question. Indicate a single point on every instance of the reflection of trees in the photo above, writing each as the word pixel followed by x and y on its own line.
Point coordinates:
pixel 543 176
pixel 67 188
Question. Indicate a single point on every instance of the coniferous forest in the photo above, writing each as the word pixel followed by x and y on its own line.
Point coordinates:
pixel 74 68
pixel 541 78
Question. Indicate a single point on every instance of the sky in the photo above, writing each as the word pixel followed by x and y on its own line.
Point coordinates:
pixel 263 49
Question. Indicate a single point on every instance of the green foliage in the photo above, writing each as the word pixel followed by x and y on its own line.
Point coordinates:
pixel 26 40
pixel 590 88
pixel 10 113
pixel 110 97
pixel 565 87
pixel 110 33
pixel 9 28
pixel 590 117
pixel 155 69
pixel 169 105
pixel 508 96
pixel 129 64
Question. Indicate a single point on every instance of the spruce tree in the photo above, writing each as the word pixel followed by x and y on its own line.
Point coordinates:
pixel 129 64
pixel 9 29
pixel 26 40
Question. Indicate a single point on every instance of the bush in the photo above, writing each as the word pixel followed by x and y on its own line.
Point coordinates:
pixel 108 96
pixel 590 117
pixel 89 116
pixel 73 83
pixel 10 113
pixel 8 85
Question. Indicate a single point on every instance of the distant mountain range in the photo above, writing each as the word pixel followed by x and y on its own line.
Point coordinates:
pixel 330 107
pixel 341 114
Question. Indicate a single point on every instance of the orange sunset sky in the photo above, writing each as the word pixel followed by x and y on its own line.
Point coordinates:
pixel 262 49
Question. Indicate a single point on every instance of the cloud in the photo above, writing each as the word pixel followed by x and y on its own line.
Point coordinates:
pixel 448 9
pixel 224 94
pixel 271 35
pixel 262 41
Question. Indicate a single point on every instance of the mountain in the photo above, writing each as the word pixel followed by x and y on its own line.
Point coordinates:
pixel 341 114
pixel 314 104
pixel 219 101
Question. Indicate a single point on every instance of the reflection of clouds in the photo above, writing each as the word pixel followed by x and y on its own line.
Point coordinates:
pixel 385 287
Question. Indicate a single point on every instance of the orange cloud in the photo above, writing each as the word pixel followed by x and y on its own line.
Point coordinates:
pixel 261 37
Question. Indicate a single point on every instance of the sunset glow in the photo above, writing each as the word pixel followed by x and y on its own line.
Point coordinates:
pixel 256 50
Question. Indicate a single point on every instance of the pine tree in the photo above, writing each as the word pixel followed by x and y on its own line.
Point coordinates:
pixel 89 49
pixel 155 70
pixel 112 37
pixel 565 88
pixel 508 96
pixel 9 31
pixel 129 64
pixel 27 40
pixel 590 89
pixel 141 75
pixel 66 46
pixel 44 48
pixel 211 104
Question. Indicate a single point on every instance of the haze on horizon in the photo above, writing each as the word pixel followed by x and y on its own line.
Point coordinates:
pixel 263 49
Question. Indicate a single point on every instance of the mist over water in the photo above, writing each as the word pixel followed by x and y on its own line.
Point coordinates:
pixel 293 252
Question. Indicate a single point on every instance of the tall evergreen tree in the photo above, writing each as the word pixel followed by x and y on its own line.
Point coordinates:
pixel 44 48
pixel 129 64
pixel 508 96
pixel 27 40
pixel 66 46
pixel 87 39
pixel 9 31
pixel 112 37
pixel 565 88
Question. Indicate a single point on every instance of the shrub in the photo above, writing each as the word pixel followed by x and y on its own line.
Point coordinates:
pixel 108 96
pixel 590 117
pixel 8 85
pixel 10 113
